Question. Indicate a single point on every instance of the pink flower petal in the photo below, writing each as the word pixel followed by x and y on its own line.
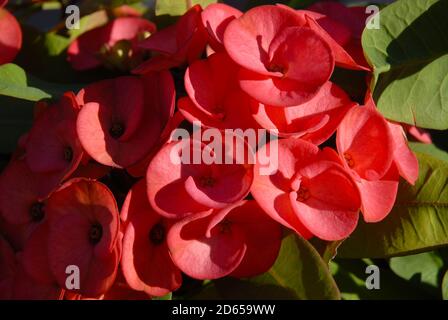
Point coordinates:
pixel 215 18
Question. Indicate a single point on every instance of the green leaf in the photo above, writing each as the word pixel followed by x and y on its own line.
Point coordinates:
pixel 408 55
pixel 298 273
pixel 351 276
pixel 445 286
pixel 14 83
pixel 422 270
pixel 178 7
pixel 417 223
pixel 429 149
pixel 89 22
pixel 327 249
pixel 168 296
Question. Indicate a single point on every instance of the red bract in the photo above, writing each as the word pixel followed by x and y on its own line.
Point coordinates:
pixel 373 150
pixel 10 36
pixel 176 45
pixel 285 62
pixel 15 282
pixel 215 98
pixel 215 19
pixel 239 240
pixel 178 187
pixel 7 269
pixel 52 143
pixel 120 290
pixel 114 45
pixel 22 193
pixel 418 134
pixel 82 230
pixel 310 193
pixel 122 119
pixel 314 121
pixel 404 158
pixel 146 261
pixel 344 24
pixel 365 144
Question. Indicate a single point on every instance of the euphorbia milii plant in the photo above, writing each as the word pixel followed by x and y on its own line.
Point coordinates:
pixel 202 147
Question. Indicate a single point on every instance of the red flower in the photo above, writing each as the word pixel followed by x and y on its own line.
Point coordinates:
pixel 48 155
pixel 177 189
pixel 120 290
pixel 375 152
pixel 52 143
pixel 15 283
pixel 176 45
pixel 7 269
pixel 239 240
pixel 310 193
pixel 123 118
pixel 344 24
pixel 146 261
pixel 285 62
pixel 314 121
pixel 20 193
pixel 82 230
pixel 115 45
pixel 10 36
pixel 215 98
pixel 215 19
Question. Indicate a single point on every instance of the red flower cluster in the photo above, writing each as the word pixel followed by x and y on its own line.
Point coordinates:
pixel 266 69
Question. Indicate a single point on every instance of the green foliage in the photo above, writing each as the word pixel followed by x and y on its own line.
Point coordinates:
pixel 298 273
pixel 350 275
pixel 408 54
pixel 429 149
pixel 422 270
pixel 178 7
pixel 14 83
pixel 445 287
pixel 418 222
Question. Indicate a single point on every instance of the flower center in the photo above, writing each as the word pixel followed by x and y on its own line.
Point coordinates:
pixel 207 181
pixel 349 159
pixel 225 226
pixel 95 233
pixel 219 113
pixel 143 35
pixel 303 194
pixel 116 130
pixel 37 212
pixel 68 154
pixel 276 68
pixel 157 234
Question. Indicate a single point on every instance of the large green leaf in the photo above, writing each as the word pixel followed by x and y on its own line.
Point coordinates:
pixel 351 276
pixel 422 270
pixel 178 7
pixel 14 83
pixel 429 149
pixel 298 273
pixel 409 56
pixel 418 222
